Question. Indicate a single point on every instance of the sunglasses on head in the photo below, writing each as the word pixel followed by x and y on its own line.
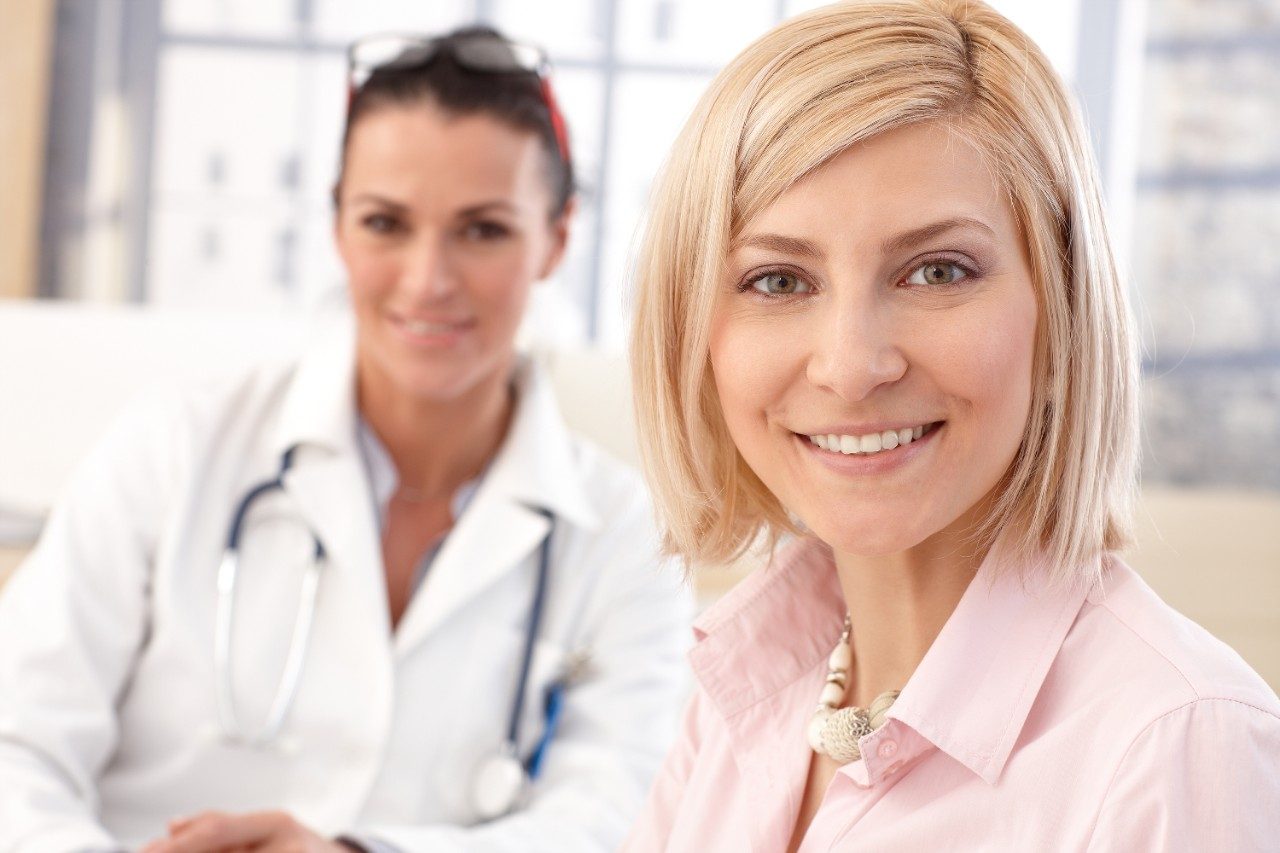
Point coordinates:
pixel 481 53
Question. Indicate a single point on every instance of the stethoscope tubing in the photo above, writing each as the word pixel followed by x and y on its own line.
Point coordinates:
pixel 536 607
pixel 224 619
pixel 291 676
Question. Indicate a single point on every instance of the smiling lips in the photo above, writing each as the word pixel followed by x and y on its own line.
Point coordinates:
pixel 432 330
pixel 870 443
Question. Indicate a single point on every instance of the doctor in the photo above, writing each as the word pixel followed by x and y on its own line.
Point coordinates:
pixel 380 594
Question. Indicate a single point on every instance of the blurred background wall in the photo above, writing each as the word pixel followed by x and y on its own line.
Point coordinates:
pixel 25 40
pixel 1206 241
pixel 177 155
pixel 193 143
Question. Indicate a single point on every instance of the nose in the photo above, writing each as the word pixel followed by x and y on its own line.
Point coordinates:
pixel 856 350
pixel 427 275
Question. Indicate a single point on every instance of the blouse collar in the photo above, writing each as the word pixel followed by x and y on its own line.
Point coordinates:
pixel 969 697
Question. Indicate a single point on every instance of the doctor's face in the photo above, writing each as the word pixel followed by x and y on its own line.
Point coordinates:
pixel 443 224
pixel 873 340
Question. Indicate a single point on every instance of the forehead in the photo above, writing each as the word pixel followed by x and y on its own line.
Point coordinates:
pixel 412 150
pixel 894 182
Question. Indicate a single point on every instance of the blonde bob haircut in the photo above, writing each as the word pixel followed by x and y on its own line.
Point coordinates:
pixel 794 99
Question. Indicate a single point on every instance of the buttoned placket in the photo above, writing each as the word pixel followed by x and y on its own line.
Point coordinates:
pixel 858 786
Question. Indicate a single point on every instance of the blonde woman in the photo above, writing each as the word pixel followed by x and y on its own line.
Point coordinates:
pixel 879 323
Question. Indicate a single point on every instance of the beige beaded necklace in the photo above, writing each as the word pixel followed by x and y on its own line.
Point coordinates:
pixel 833 732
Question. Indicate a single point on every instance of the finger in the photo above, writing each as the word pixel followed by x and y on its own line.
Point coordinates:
pixel 307 841
pixel 217 832
pixel 178 824
pixel 181 824
pixel 300 837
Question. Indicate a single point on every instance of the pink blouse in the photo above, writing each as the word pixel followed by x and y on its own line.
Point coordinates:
pixel 1038 720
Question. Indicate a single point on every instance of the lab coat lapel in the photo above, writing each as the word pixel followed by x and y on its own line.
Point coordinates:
pixel 328 481
pixel 333 496
pixel 494 537
pixel 535 469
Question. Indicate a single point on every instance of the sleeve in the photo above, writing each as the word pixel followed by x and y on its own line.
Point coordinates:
pixel 1205 776
pixel 72 620
pixel 618 721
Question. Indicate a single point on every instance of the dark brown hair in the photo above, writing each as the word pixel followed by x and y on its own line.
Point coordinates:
pixel 513 98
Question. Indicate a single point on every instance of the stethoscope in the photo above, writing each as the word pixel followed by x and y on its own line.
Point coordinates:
pixel 224 618
pixel 500 779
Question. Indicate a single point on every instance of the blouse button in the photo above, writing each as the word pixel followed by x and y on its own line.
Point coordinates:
pixel 888 749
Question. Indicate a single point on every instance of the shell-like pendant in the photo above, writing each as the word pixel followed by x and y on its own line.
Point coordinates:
pixel 842 731
pixel 880 706
pixel 836 732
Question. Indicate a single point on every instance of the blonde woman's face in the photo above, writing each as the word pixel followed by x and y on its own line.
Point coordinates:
pixel 872 341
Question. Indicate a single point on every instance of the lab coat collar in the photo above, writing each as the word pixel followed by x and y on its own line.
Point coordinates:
pixel 535 464
pixel 328 479
pixel 536 469
pixel 319 408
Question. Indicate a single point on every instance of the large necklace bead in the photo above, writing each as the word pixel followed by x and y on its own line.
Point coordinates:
pixel 835 731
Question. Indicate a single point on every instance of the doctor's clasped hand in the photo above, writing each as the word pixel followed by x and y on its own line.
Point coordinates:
pixel 209 832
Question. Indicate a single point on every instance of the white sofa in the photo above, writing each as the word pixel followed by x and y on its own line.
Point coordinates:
pixel 68 368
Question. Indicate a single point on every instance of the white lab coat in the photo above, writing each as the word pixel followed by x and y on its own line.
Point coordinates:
pixel 108 721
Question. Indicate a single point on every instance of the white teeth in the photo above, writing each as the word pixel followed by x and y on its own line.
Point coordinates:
pixel 872 443
pixel 421 327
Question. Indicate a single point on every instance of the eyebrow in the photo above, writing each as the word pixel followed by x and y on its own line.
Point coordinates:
pixel 906 240
pixel 473 210
pixel 378 199
pixel 500 204
pixel 781 244
pixel 806 249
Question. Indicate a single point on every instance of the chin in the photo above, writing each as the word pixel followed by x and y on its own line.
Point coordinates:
pixel 440 378
pixel 876 535
pixel 435 388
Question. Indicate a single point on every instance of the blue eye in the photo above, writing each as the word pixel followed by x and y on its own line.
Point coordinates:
pixel 937 273
pixel 779 284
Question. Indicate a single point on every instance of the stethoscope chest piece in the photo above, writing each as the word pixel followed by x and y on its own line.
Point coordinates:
pixel 501 778
pixel 498 783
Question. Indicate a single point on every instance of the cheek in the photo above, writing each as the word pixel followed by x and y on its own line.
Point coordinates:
pixel 371 276
pixel 992 372
pixel 499 288
pixel 1010 363
pixel 750 372
pixel 502 275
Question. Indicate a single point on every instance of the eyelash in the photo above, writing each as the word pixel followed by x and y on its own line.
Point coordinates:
pixel 384 224
pixel 486 232
pixel 747 285
pixel 380 223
